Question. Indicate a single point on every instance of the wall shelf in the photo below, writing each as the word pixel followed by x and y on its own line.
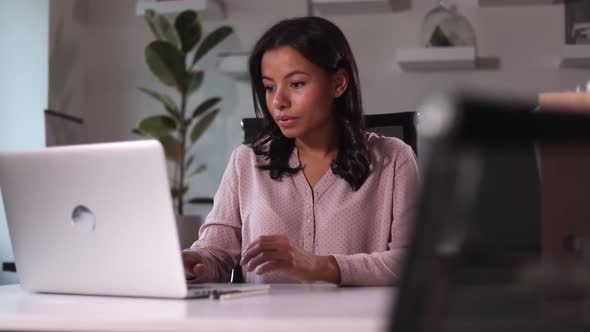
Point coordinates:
pixel 208 9
pixel 234 64
pixel 498 3
pixel 575 56
pixel 436 58
pixel 327 7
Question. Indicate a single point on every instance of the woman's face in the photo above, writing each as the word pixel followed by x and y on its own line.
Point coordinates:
pixel 299 94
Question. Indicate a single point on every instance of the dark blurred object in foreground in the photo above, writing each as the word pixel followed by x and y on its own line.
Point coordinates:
pixel 502 236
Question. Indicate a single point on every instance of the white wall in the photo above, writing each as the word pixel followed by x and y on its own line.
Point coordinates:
pixel 24 35
pixel 525 39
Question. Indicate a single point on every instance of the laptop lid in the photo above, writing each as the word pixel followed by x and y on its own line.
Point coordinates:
pixel 93 219
pixel 493 248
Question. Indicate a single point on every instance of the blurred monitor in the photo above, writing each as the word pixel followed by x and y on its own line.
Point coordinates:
pixel 502 234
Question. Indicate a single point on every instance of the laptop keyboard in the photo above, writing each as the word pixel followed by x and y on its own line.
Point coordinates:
pixel 197 286
pixel 207 291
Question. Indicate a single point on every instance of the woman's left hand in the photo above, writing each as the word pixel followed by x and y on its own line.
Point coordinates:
pixel 277 253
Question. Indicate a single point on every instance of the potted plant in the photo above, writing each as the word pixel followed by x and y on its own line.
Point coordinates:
pixel 172 58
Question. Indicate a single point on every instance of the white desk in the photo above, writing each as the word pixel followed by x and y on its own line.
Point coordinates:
pixel 286 308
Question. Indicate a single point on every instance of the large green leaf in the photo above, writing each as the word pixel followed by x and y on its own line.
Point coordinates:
pixel 172 147
pixel 200 169
pixel 157 125
pixel 194 81
pixel 168 103
pixel 204 123
pixel 189 28
pixel 201 200
pixel 211 41
pixel 152 19
pixel 205 106
pixel 166 63
pixel 136 131
pixel 162 28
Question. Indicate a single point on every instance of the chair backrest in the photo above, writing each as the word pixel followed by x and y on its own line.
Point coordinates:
pixel 401 125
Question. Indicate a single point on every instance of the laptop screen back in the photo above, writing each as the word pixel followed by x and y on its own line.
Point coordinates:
pixel 93 219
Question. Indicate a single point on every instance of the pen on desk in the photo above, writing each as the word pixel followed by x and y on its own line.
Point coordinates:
pixel 237 295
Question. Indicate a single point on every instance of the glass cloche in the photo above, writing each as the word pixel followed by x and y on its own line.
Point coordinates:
pixel 444 26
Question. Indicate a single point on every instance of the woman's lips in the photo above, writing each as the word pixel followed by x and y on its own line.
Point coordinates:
pixel 286 121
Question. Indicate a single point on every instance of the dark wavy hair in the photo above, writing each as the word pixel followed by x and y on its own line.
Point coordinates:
pixel 322 43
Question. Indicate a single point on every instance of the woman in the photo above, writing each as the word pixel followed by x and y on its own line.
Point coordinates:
pixel 313 197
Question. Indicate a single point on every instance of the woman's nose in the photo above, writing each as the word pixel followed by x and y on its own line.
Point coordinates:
pixel 280 100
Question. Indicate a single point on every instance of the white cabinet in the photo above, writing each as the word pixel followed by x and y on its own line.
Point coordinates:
pixel 496 3
pixel 436 58
pixel 575 56
pixel 234 64
pixel 327 7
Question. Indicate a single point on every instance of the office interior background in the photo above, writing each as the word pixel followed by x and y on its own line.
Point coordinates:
pixel 85 58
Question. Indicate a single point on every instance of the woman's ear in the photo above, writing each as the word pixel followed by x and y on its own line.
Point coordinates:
pixel 340 82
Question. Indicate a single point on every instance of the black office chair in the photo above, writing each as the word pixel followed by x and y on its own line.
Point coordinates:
pixel 401 125
pixel 8 267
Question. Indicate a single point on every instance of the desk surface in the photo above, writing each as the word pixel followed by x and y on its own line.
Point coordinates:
pixel 286 308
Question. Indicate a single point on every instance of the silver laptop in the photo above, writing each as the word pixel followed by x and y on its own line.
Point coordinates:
pixel 96 219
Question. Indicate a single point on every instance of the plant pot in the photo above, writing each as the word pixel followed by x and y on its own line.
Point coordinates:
pixel 188 229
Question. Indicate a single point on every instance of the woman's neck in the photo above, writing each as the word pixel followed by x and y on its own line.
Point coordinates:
pixel 319 143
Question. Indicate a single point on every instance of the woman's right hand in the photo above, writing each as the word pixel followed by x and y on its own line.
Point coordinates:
pixel 194 265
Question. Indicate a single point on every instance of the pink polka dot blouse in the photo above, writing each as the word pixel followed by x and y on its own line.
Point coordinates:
pixel 367 231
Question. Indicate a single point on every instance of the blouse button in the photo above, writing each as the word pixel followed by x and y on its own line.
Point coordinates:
pixel 308 220
pixel 308 233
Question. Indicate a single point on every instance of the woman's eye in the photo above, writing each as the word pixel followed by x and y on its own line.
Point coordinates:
pixel 297 84
pixel 268 88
